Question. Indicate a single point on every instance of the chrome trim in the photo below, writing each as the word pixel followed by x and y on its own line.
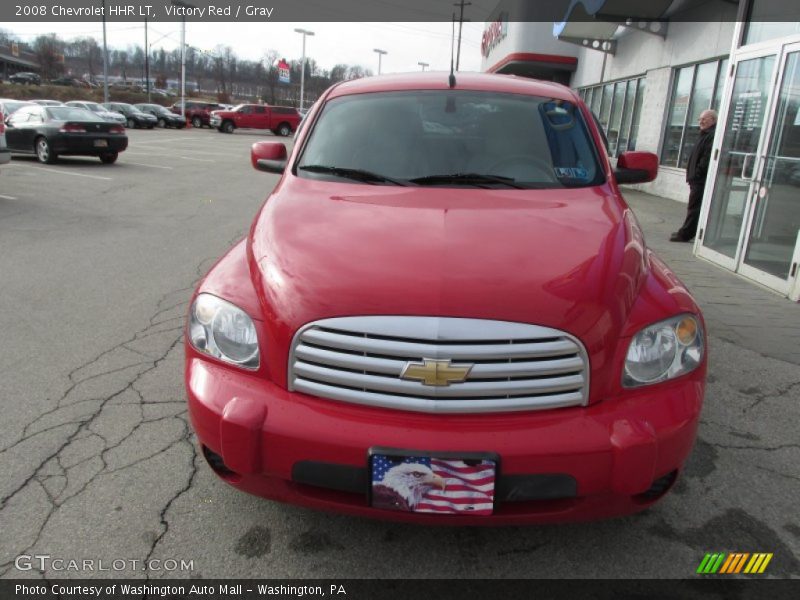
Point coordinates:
pixel 517 366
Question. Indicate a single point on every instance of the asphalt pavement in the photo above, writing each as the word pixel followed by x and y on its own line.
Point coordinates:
pixel 97 461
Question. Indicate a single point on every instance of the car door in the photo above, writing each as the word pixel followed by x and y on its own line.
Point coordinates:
pixel 244 116
pixel 19 134
pixel 261 117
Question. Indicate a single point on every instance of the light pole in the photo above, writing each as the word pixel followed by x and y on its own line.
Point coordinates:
pixel 423 65
pixel 146 61
pixel 305 32
pixel 105 57
pixel 183 53
pixel 380 55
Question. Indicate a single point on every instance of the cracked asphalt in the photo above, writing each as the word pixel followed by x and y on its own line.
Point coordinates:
pixel 98 461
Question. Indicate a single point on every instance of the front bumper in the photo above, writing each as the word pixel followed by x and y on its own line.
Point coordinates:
pixel 554 465
pixel 215 121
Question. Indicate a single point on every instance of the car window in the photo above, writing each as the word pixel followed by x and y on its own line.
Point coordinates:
pixel 534 141
pixel 260 110
pixel 71 113
pixel 246 110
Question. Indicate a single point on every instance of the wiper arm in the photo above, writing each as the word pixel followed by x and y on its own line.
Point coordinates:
pixel 355 174
pixel 476 178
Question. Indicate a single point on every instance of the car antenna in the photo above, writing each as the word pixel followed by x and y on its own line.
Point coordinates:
pixel 452 78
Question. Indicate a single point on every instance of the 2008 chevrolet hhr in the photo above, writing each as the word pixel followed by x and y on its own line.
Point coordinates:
pixel 445 312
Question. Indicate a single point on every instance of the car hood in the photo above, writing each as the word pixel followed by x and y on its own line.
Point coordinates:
pixel 572 259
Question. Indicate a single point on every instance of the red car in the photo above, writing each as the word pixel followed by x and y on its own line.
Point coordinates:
pixel 446 313
pixel 281 120
pixel 197 112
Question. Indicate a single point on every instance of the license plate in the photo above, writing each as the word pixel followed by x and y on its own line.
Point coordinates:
pixel 101 143
pixel 432 483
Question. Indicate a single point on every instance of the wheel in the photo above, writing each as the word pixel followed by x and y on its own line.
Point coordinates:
pixel 197 122
pixel 533 168
pixel 109 158
pixel 131 123
pixel 162 123
pixel 44 153
pixel 284 129
pixel 228 127
pixel 151 125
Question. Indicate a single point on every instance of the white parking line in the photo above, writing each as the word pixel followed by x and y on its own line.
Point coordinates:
pixel 7 197
pixel 127 162
pixel 49 170
pixel 196 159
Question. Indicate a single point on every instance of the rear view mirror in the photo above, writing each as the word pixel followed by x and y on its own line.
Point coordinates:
pixel 269 156
pixel 636 167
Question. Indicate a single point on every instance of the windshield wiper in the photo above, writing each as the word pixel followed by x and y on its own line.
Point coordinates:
pixel 355 174
pixel 467 178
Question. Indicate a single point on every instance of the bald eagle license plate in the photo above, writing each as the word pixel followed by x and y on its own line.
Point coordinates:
pixel 445 485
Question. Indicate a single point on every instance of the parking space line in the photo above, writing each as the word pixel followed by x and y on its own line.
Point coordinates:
pixel 196 159
pixel 48 170
pixel 127 162
pixel 7 197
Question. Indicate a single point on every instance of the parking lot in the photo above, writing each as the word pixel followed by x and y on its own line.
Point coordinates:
pixel 98 263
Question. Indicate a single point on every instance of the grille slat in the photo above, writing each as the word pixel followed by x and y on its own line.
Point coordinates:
pixel 515 366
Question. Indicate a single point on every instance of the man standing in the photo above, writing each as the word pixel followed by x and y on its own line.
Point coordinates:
pixel 696 172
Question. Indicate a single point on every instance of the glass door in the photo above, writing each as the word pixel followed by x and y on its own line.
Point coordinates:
pixel 772 232
pixel 737 160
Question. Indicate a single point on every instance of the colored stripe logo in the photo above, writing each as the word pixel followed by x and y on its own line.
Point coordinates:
pixel 734 562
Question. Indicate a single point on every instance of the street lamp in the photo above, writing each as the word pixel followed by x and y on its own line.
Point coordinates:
pixel 423 65
pixel 380 55
pixel 305 32
pixel 183 53
pixel 105 57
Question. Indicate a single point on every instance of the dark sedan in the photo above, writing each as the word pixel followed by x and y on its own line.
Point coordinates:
pixel 134 116
pixel 165 117
pixel 26 78
pixel 49 131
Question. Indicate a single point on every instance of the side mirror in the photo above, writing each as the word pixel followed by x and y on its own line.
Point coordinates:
pixel 636 167
pixel 269 156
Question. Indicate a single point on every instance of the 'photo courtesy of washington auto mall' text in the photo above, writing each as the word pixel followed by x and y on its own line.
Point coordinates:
pixel 378 299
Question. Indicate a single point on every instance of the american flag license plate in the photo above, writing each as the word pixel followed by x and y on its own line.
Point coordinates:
pixel 428 484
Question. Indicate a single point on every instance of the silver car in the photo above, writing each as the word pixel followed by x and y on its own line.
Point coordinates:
pixel 100 111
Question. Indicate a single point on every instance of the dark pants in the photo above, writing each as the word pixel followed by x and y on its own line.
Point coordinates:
pixel 689 227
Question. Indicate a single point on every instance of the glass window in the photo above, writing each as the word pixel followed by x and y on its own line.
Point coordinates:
pixel 637 112
pixel 695 88
pixel 436 137
pixel 617 107
pixel 616 117
pixel 677 116
pixel 702 94
pixel 771 19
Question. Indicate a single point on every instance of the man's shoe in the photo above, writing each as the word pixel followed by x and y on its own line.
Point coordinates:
pixel 677 237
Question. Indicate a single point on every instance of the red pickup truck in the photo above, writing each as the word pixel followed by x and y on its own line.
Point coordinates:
pixel 281 120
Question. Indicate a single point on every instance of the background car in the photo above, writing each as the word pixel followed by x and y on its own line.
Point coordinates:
pixel 44 102
pixel 198 112
pixel 165 118
pixel 281 120
pixel 134 118
pixel 100 111
pixel 5 155
pixel 49 131
pixel 9 106
pixel 26 78
pixel 69 81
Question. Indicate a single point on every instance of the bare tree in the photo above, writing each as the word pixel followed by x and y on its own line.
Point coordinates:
pixel 49 52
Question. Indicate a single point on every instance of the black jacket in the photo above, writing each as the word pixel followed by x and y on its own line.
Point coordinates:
pixel 697 169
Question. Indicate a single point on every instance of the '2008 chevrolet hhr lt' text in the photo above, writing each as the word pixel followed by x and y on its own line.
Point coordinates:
pixel 446 313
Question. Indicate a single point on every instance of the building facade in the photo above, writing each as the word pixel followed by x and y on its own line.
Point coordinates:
pixel 647 77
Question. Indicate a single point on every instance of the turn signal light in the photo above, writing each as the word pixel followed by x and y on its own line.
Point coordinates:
pixel 72 128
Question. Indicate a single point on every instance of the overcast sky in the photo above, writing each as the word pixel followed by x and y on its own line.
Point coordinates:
pixel 350 43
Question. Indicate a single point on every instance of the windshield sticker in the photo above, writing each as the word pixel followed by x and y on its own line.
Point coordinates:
pixel 571 173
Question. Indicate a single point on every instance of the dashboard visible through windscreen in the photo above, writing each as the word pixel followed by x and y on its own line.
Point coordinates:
pixel 452 138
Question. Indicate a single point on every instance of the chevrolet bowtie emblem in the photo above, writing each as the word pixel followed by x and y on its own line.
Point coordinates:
pixel 436 372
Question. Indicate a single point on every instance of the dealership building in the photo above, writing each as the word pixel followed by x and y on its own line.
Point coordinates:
pixel 648 69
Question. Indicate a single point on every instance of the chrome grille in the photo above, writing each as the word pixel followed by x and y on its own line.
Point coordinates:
pixel 515 366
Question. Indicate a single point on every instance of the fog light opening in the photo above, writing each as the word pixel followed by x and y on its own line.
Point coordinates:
pixel 658 488
pixel 219 467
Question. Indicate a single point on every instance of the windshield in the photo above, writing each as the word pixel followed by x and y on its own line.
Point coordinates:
pixel 71 113
pixel 95 108
pixel 452 138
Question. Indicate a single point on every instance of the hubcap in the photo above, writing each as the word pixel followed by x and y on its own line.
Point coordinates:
pixel 44 150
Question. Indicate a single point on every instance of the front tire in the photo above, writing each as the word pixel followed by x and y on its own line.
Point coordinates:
pixel 197 123
pixel 162 123
pixel 284 129
pixel 228 127
pixel 109 158
pixel 131 124
pixel 44 152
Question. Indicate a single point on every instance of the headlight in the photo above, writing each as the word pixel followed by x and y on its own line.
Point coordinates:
pixel 663 351
pixel 224 331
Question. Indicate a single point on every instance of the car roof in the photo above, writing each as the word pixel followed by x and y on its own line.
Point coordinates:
pixel 439 80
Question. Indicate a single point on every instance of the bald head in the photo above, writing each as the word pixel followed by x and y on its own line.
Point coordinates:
pixel 708 118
